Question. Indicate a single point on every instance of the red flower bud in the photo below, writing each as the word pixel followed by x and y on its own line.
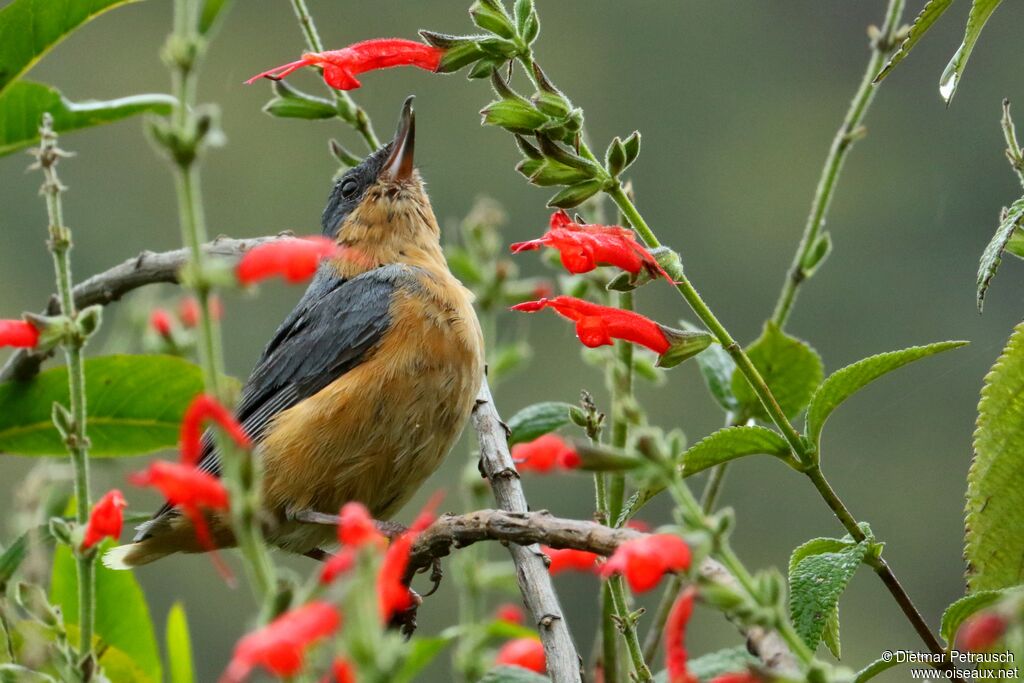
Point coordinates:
pixel 280 646
pixel 585 247
pixel 527 653
pixel 644 560
pixel 509 613
pixel 568 559
pixel 188 310
pixel 638 525
pixel 160 321
pixel 105 520
pixel 544 454
pixel 982 631
pixel 675 638
pixel 341 67
pixel 342 671
pixel 18 333
pixel 202 408
pixel 337 565
pixel 357 527
pixel 293 259
pixel 598 325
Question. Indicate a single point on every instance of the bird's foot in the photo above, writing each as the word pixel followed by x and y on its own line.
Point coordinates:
pixel 405 620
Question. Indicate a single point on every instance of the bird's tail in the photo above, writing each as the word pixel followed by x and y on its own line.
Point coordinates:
pixel 133 555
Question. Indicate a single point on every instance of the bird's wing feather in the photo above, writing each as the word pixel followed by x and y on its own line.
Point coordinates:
pixel 331 330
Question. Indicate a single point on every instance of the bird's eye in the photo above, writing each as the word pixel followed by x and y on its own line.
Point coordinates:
pixel 348 187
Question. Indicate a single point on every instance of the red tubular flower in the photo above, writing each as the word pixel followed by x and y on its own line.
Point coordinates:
pixel 544 454
pixel 293 259
pixel 105 520
pixel 527 653
pixel 644 560
pixel 509 613
pixel 202 408
pixel 357 527
pixel 982 631
pixel 598 325
pixel 638 525
pixel 393 595
pixel 738 677
pixel 18 333
pixel 568 559
pixel 337 564
pixel 188 310
pixel 280 646
pixel 342 671
pixel 675 638
pixel 342 66
pixel 160 320
pixel 585 247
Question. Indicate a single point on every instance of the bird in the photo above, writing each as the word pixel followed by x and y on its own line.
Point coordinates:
pixel 366 385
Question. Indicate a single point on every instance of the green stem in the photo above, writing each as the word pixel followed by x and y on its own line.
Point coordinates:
pixel 849 132
pixel 621 384
pixel 609 638
pixel 352 113
pixel 668 598
pixel 627 624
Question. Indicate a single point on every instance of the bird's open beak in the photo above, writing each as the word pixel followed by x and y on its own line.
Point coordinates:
pixel 399 165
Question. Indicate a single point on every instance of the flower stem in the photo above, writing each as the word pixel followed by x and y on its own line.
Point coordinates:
pixel 621 385
pixel 849 132
pixel 77 442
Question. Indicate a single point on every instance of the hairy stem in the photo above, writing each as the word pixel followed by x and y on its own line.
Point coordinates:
pixel 849 132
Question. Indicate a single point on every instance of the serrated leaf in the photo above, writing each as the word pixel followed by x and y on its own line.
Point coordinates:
pixel 847 381
pixel 731 443
pixel 931 12
pixel 23 103
pixel 815 584
pixel 537 420
pixel 135 406
pixel 714 664
pixel 961 610
pixel 179 646
pixel 513 674
pixel 791 368
pixel 993 254
pixel 717 368
pixel 122 616
pixel 995 482
pixel 981 10
pixel 830 636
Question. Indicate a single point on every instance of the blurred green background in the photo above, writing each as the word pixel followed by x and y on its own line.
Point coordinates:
pixel 737 103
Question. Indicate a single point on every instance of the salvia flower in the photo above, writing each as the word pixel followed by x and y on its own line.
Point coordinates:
pixel 569 559
pixel 294 259
pixel 527 653
pixel 584 247
pixel 280 646
pixel 160 321
pixel 105 520
pixel 337 564
pixel 982 631
pixel 356 527
pixel 738 677
pixel 342 671
pixel 188 310
pixel 18 333
pixel 675 638
pixel 510 614
pixel 644 560
pixel 545 453
pixel 341 67
pixel 202 408
pixel 393 595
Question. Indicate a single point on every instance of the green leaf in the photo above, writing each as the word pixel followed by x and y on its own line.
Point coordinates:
pixel 830 636
pixel 933 9
pixel 179 646
pixel 714 664
pixel 122 616
pixel 993 254
pixel 731 443
pixel 995 482
pixel 212 11
pixel 791 368
pixel 847 381
pixel 135 406
pixel 16 552
pixel 961 610
pixel 717 368
pixel 311 108
pixel 981 10
pixel 422 652
pixel 22 106
pixel 874 668
pixel 815 583
pixel 513 674
pixel 537 420
pixel 574 195
pixel 30 28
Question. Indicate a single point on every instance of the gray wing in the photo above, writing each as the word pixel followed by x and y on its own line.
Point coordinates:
pixel 331 330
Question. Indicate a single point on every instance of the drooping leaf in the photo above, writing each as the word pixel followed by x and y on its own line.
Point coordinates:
pixel 537 420
pixel 714 664
pixel 830 636
pixel 961 610
pixel 731 443
pixel 790 367
pixel 135 406
pixel 513 674
pixel 933 9
pixel 122 616
pixel 23 103
pixel 717 367
pixel 179 646
pixel 845 382
pixel 423 651
pixel 30 28
pixel 815 583
pixel 981 10
pixel 993 254
pixel 995 482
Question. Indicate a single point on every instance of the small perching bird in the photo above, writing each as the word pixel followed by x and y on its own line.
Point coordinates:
pixel 366 385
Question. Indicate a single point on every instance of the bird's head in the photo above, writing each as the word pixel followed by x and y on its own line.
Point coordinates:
pixel 380 208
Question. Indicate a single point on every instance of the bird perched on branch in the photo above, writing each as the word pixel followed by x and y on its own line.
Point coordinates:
pixel 368 382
